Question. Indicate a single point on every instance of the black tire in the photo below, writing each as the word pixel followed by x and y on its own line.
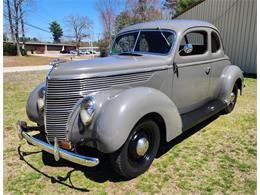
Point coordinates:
pixel 229 108
pixel 126 161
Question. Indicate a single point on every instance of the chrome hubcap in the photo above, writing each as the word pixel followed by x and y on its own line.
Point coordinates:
pixel 142 146
pixel 232 98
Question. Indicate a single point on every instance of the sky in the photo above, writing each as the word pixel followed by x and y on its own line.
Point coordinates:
pixel 42 12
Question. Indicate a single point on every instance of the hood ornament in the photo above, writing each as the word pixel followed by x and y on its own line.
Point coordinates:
pixel 56 62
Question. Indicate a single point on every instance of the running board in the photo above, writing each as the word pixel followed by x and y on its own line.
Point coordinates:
pixel 195 117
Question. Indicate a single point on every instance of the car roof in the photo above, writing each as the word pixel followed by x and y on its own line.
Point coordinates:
pixel 178 25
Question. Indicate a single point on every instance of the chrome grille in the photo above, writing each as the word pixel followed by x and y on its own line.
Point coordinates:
pixel 62 95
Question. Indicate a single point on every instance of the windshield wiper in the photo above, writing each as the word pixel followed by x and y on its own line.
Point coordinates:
pixel 129 54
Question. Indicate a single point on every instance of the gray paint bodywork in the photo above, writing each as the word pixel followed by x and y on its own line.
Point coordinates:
pixel 120 107
pixel 31 106
pixel 117 113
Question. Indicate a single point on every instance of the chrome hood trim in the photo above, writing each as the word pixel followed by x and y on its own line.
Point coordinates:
pixel 112 65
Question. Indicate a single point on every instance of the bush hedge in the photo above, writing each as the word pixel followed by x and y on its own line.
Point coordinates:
pixel 10 50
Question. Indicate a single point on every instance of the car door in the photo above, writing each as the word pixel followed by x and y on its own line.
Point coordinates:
pixel 191 81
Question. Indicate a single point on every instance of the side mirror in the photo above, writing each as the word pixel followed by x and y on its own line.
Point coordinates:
pixel 188 48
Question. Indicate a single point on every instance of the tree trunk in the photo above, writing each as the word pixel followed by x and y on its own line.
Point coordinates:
pixel 10 21
pixel 77 48
pixel 22 23
pixel 77 45
pixel 17 27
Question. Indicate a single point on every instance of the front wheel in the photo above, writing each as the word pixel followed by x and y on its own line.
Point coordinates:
pixel 139 150
pixel 232 100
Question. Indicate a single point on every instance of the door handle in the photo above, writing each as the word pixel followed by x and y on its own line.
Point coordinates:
pixel 175 69
pixel 207 70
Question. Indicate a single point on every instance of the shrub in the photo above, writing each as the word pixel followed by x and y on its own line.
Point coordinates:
pixel 103 47
pixel 10 49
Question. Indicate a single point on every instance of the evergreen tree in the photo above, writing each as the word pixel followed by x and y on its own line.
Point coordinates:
pixel 56 30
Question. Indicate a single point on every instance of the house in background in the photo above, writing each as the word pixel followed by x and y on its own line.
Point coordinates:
pixel 46 48
pixel 236 21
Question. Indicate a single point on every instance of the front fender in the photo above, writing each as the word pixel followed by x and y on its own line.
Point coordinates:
pixel 118 112
pixel 229 77
pixel 31 106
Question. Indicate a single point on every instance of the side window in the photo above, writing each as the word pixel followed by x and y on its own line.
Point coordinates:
pixel 199 41
pixel 215 43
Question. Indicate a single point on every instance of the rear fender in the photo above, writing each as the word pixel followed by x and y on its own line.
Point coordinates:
pixel 229 77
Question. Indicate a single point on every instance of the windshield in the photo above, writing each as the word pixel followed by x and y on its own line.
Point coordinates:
pixel 148 41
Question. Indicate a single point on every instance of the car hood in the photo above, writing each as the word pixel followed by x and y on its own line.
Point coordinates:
pixel 108 65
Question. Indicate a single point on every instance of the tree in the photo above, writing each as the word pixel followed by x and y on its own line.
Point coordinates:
pixel 173 7
pixel 170 7
pixel 5 37
pixel 15 18
pixel 145 10
pixel 10 20
pixel 184 4
pixel 16 26
pixel 29 39
pixel 22 22
pixel 138 11
pixel 107 10
pixel 56 30
pixel 103 45
pixel 122 20
pixel 81 26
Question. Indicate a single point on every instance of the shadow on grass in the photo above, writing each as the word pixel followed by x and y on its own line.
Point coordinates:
pixel 104 171
pixel 60 180
pixel 186 134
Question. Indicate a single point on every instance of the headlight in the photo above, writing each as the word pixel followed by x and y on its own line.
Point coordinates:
pixel 87 110
pixel 41 99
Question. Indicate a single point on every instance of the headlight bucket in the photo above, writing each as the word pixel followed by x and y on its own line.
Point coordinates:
pixel 87 109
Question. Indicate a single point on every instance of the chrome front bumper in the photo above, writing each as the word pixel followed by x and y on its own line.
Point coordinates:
pixel 56 151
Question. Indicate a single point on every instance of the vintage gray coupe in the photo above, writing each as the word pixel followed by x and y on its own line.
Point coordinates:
pixel 160 79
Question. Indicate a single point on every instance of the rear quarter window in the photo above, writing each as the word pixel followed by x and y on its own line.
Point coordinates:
pixel 215 42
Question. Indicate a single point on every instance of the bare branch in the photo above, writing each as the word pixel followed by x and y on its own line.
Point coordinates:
pixel 81 27
pixel 107 12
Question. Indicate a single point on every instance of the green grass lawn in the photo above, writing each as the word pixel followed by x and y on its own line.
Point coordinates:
pixel 220 158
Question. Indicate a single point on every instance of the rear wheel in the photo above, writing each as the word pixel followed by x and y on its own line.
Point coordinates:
pixel 139 150
pixel 232 100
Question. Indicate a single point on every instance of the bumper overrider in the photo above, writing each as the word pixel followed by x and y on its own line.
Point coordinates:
pixel 54 149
